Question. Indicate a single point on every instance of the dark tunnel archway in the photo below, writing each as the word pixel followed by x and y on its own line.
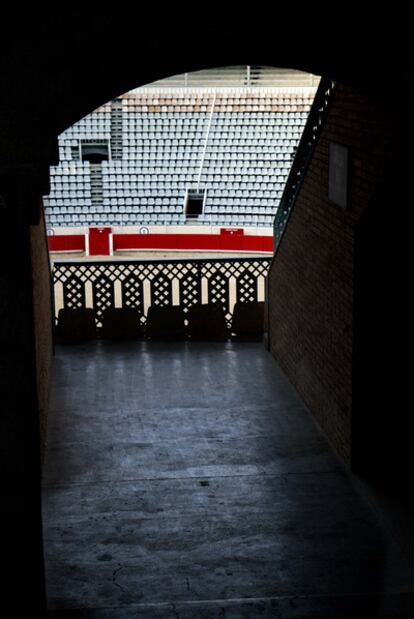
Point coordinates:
pixel 51 79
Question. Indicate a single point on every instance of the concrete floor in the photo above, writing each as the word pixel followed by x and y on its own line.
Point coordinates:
pixel 188 480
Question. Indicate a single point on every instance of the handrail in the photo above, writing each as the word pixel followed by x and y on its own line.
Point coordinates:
pixel 303 157
pixel 175 261
pixel 203 155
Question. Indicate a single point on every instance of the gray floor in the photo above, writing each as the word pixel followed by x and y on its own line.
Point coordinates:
pixel 188 480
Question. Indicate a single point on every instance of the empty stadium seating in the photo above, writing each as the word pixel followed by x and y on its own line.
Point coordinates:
pixel 237 144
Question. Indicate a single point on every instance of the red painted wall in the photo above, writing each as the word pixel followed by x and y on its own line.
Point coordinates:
pixel 99 243
pixel 207 242
pixel 66 242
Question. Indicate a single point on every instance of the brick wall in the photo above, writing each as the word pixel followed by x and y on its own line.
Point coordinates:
pixel 42 320
pixel 311 282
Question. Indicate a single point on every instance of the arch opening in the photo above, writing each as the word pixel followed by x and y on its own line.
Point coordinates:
pixel 122 568
pixel 40 100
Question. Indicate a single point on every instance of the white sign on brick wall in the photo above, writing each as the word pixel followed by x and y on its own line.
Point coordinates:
pixel 338 174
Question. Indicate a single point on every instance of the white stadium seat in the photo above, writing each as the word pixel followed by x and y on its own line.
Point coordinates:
pixel 156 146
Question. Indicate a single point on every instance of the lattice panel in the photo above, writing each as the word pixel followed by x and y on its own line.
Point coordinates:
pixel 103 296
pixel 185 277
pixel 190 290
pixel 161 290
pixel 218 290
pixel 246 287
pixel 74 292
pixel 133 292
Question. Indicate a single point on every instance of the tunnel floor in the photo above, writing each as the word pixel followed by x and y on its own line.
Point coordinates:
pixel 188 480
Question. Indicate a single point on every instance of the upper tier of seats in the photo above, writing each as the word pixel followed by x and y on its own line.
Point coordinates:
pixel 234 144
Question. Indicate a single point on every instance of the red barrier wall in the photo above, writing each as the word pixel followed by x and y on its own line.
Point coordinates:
pixel 207 242
pixel 66 242
pixel 197 242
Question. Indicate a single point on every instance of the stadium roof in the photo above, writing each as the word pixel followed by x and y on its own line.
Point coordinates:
pixel 238 76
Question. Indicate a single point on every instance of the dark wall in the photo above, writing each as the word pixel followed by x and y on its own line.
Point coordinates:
pixel 59 64
pixel 42 315
pixel 21 536
pixel 383 312
pixel 311 282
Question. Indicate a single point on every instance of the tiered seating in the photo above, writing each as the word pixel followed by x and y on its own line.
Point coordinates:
pixel 237 144
pixel 69 202
pixel 251 146
pixel 94 126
